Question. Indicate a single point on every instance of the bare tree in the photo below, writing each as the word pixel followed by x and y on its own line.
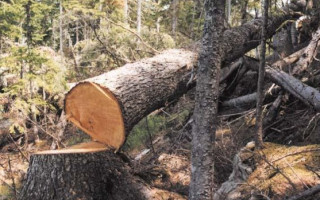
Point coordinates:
pixel 139 17
pixel 175 4
pixel 259 118
pixel 60 27
pixel 206 106
pixel 125 11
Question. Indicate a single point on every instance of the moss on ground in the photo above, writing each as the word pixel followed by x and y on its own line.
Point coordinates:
pixel 282 171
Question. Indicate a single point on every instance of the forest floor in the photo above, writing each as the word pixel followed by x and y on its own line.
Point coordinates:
pixel 168 166
pixel 166 163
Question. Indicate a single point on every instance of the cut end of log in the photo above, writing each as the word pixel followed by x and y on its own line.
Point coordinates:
pixel 96 111
pixel 89 147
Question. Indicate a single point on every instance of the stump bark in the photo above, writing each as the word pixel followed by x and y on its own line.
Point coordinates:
pixel 85 175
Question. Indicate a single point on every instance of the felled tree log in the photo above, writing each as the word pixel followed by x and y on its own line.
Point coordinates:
pixel 309 54
pixel 240 101
pixel 308 95
pixel 89 173
pixel 108 106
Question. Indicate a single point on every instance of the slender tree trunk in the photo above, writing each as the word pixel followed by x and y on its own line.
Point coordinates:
pixel 193 19
pixel 125 11
pixel 77 31
pixel 206 106
pixel 244 6
pixel 158 24
pixel 259 117
pixel 61 27
pixel 28 27
pixel 294 35
pixel 139 17
pixel 174 17
pixel 229 6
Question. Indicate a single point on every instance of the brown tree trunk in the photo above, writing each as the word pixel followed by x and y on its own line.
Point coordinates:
pixel 206 103
pixel 247 36
pixel 87 176
pixel 108 106
pixel 133 91
pixel 261 72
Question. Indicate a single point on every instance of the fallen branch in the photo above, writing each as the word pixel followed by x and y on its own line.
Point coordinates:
pixel 308 95
pixel 308 55
pixel 306 193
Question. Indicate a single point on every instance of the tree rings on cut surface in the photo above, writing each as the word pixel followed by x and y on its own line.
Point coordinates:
pixel 96 111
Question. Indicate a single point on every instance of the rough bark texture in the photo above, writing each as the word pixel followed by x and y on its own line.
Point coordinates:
pixel 87 176
pixel 240 101
pixel 147 85
pixel 262 65
pixel 246 37
pixel 130 79
pixel 206 104
pixel 282 44
pixel 308 95
pixel 309 54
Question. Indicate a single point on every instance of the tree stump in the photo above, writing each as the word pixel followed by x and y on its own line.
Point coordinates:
pixel 85 174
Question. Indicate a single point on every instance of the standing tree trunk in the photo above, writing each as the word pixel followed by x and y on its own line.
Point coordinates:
pixel 206 106
pixel 229 6
pixel 61 27
pixel 260 98
pixel 139 17
pixel 174 17
pixel 244 6
pixel 125 11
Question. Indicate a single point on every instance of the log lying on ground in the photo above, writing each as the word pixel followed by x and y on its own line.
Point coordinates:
pixel 96 175
pixel 108 106
pixel 308 95
pixel 309 54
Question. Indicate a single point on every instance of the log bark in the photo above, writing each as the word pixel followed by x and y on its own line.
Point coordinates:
pixel 108 106
pixel 89 176
pixel 308 95
pixel 247 36
pixel 135 90
pixel 309 54
pixel 206 103
pixel 241 101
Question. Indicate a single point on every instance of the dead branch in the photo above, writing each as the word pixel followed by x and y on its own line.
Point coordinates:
pixel 308 55
pixel 308 95
pixel 306 193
